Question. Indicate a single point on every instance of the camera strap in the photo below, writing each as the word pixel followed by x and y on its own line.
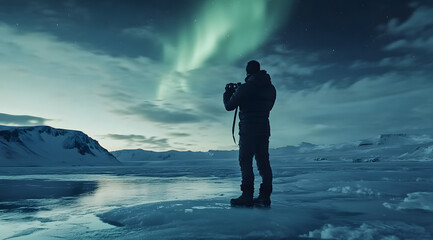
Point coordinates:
pixel 233 127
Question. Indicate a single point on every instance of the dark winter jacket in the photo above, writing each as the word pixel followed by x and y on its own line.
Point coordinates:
pixel 255 99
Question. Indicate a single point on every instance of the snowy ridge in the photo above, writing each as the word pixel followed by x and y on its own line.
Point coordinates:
pixel 139 155
pixel 386 147
pixel 47 146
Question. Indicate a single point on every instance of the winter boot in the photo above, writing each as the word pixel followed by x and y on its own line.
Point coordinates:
pixel 245 200
pixel 262 201
pixel 264 198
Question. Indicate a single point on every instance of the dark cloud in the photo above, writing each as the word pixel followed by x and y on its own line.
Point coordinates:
pixel 387 103
pixel 419 21
pixel 21 119
pixel 414 33
pixel 140 139
pixel 392 62
pixel 116 95
pixel 142 32
pixel 211 107
pixel 180 134
pixel 294 62
pixel 295 69
pixel 422 43
pixel 44 15
pixel 166 113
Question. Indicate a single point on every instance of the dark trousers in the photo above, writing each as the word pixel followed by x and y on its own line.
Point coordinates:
pixel 257 146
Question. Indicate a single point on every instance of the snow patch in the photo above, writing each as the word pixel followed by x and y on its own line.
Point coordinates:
pixel 357 190
pixel 421 153
pixel 414 201
pixel 369 231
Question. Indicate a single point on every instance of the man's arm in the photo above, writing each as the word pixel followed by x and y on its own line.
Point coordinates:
pixel 232 99
pixel 274 96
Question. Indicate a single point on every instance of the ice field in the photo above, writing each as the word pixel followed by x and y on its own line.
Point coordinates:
pixel 190 200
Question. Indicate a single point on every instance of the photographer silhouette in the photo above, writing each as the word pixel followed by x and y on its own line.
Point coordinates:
pixel 255 99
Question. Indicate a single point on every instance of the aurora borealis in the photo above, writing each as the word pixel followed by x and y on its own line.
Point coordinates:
pixel 226 30
pixel 229 29
pixel 150 74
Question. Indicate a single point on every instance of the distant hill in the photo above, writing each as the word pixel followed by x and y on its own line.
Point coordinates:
pixel 135 156
pixel 386 147
pixel 47 146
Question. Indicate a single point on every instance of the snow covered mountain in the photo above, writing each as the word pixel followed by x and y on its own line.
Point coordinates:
pixel 386 147
pixel 47 146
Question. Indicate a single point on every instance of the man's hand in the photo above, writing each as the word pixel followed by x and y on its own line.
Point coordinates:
pixel 229 88
pixel 232 96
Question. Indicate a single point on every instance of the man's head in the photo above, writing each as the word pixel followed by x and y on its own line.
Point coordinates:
pixel 253 67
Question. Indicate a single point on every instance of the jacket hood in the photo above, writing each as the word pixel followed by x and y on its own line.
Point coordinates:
pixel 261 78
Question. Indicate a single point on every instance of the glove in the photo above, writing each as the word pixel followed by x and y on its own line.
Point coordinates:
pixel 230 88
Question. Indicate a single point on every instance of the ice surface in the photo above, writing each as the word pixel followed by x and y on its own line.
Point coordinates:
pixel 327 200
pixel 207 219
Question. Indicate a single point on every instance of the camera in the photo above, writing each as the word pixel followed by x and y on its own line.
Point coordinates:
pixel 232 86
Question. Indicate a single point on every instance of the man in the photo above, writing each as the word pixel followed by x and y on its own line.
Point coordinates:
pixel 255 99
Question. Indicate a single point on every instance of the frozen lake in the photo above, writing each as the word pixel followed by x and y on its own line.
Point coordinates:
pixel 190 200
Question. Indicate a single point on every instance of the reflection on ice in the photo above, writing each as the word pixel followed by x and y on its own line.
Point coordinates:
pixel 60 206
pixel 125 191
pixel 13 190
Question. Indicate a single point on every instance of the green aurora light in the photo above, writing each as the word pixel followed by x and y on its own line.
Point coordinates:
pixel 224 31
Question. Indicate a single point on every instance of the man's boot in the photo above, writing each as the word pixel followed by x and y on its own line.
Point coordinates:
pixel 245 200
pixel 262 201
pixel 264 198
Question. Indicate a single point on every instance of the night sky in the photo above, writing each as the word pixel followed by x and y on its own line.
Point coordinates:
pixel 150 74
